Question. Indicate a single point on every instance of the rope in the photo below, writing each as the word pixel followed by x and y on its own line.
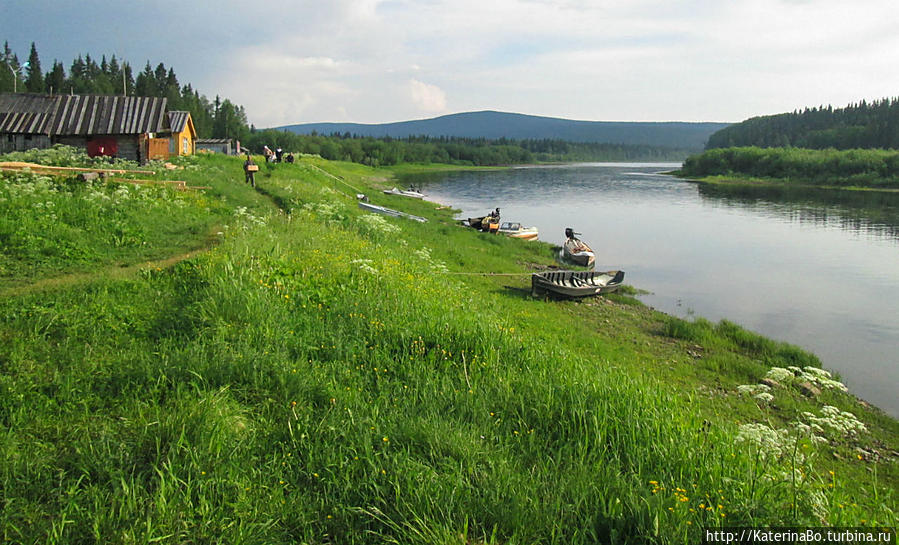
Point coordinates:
pixel 486 274
pixel 338 178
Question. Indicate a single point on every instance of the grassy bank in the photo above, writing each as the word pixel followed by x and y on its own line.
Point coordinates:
pixel 321 375
pixel 848 169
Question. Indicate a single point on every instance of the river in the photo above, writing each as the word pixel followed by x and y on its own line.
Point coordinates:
pixel 816 268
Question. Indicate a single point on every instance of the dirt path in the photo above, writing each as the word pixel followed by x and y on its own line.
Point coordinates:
pixel 110 271
pixel 116 271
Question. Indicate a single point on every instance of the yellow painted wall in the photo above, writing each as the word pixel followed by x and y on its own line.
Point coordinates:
pixel 190 134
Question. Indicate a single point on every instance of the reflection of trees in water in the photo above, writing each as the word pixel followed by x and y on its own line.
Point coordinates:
pixel 870 212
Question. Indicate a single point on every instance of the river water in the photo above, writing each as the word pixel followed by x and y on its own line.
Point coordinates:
pixel 816 268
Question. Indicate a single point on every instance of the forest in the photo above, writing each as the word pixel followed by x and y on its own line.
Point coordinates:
pixel 465 151
pixel 217 118
pixel 860 125
pixel 856 167
pixel 221 118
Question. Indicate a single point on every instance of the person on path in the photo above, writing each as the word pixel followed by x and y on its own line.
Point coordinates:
pixel 250 173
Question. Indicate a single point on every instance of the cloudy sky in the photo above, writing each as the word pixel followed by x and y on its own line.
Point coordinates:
pixel 373 61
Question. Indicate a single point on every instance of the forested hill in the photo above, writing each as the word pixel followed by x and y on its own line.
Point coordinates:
pixel 497 125
pixel 861 125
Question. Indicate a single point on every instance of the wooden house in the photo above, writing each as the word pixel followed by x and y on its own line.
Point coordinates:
pixel 226 146
pixel 183 137
pixel 118 126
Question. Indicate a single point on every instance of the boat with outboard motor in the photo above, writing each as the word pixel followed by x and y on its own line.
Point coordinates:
pixel 576 250
pixel 516 230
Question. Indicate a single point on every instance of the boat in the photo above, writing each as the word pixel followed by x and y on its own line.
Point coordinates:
pixel 576 283
pixel 405 193
pixel 389 211
pixel 515 230
pixel 489 223
pixel 576 250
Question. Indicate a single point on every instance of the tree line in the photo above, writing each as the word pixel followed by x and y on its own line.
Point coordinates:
pixel 217 118
pixel 388 151
pixel 858 167
pixel 860 125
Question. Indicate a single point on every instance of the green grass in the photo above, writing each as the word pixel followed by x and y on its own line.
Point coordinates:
pixel 314 377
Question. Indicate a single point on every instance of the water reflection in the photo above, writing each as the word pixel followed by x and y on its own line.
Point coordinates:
pixel 866 212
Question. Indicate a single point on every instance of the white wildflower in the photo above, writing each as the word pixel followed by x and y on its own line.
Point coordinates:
pixel 379 224
pixel 840 423
pixel 752 389
pixel 779 374
pixel 768 441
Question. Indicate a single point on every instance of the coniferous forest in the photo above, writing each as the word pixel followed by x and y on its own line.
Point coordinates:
pixel 216 118
pixel 861 125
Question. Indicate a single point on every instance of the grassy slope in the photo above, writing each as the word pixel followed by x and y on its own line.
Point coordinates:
pixel 311 379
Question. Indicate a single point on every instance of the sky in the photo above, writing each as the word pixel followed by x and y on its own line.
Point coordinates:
pixel 377 61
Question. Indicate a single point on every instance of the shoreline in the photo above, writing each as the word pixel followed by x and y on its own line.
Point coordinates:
pixel 777 183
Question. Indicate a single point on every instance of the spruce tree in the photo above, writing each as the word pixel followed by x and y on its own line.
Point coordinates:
pixel 34 81
pixel 55 81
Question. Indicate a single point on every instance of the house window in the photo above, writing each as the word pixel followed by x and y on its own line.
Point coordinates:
pixel 185 146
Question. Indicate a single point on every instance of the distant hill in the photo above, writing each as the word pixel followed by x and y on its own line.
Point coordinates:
pixel 495 125
pixel 861 125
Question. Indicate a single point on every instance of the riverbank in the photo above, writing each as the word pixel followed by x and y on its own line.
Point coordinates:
pixel 774 183
pixel 317 375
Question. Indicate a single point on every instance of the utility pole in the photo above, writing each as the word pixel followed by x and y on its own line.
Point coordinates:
pixel 14 76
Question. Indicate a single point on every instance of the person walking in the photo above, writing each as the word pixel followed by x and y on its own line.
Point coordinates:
pixel 249 169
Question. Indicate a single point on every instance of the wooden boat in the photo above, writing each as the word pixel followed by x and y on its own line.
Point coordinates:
pixel 515 230
pixel 389 212
pixel 576 283
pixel 405 193
pixel 576 250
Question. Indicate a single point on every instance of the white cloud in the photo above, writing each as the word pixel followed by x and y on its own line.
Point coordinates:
pixel 387 60
pixel 428 98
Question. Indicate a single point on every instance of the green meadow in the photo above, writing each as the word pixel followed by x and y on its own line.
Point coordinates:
pixel 233 365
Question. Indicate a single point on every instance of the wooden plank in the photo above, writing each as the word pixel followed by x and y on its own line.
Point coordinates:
pixel 18 165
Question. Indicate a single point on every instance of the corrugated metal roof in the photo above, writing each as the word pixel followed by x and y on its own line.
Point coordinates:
pixel 81 115
pixel 178 120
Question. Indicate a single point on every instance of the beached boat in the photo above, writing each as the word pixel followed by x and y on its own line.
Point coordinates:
pixel 389 212
pixel 489 223
pixel 576 250
pixel 576 283
pixel 405 193
pixel 516 230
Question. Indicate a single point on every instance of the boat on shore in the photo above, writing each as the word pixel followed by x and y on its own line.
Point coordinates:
pixel 389 212
pixel 576 250
pixel 405 193
pixel 488 223
pixel 576 283
pixel 516 230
